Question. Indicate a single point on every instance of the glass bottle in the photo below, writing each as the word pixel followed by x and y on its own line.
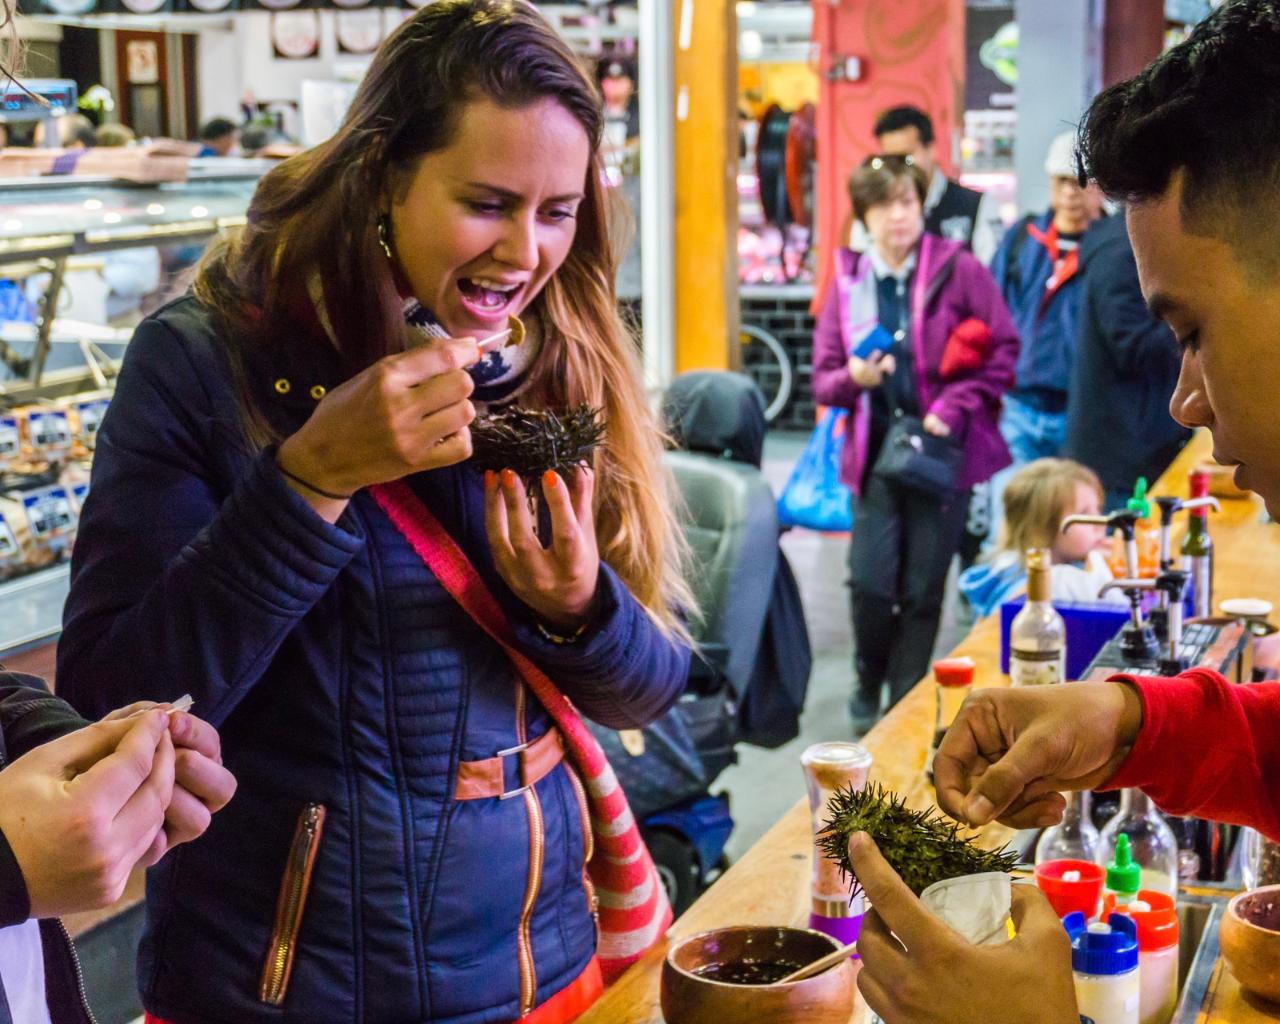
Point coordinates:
pixel 1151 841
pixel 1075 837
pixel 1261 859
pixel 1197 551
pixel 1038 636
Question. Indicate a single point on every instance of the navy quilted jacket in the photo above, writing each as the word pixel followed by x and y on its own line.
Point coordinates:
pixel 346 683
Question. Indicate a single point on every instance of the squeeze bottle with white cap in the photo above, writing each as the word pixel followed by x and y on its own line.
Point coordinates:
pixel 1104 963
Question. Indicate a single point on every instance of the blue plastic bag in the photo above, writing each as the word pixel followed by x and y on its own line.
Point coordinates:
pixel 814 496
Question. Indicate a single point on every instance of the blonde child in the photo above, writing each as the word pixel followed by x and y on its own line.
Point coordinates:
pixel 1038 498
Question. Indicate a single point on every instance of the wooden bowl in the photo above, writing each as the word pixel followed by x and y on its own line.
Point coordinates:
pixel 1250 940
pixel 688 998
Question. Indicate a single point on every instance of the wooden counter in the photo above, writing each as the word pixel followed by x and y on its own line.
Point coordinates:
pixel 770 884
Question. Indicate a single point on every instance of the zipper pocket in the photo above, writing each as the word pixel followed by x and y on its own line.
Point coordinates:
pixel 294 888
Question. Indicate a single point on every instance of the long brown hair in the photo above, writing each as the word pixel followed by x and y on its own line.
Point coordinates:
pixel 316 216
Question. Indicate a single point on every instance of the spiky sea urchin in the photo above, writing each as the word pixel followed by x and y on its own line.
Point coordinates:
pixel 529 441
pixel 922 846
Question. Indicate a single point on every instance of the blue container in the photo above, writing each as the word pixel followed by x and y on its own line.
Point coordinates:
pixel 1090 626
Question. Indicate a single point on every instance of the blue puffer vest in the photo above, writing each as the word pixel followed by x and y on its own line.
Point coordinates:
pixel 347 686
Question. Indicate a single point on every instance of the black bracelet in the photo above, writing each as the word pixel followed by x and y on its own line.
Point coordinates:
pixel 312 487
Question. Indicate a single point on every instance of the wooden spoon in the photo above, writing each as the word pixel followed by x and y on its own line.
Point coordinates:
pixel 513 335
pixel 818 966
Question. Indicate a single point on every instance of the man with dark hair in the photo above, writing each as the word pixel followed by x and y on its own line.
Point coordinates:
pixel 218 137
pixel 1191 144
pixel 950 209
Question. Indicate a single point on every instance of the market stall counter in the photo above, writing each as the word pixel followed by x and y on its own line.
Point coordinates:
pixel 770 885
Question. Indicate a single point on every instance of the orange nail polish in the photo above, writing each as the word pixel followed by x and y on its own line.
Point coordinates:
pixel 489 479
pixel 550 479
pixel 508 479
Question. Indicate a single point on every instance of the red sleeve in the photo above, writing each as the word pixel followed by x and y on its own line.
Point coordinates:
pixel 1208 748
pixel 831 383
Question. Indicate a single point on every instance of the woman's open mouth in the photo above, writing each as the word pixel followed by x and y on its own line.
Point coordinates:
pixel 488 300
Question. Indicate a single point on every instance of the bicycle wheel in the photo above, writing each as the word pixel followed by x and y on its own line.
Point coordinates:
pixel 765 361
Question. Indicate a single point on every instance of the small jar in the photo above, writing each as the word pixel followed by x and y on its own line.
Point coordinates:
pixel 829 767
pixel 953 677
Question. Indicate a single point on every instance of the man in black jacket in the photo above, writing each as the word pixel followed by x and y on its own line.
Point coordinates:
pixel 80 805
pixel 1125 371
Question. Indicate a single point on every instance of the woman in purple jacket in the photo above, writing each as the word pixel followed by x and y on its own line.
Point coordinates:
pixel 878 351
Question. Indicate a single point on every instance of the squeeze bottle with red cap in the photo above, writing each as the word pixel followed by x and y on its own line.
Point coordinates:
pixel 954 676
pixel 1104 964
pixel 1156 919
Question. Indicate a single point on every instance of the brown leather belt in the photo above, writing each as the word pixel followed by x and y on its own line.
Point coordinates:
pixel 480 780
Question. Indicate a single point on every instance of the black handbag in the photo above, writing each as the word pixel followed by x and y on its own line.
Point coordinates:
pixel 913 458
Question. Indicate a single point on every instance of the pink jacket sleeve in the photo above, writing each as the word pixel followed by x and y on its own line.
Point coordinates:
pixel 831 382
pixel 982 389
pixel 1208 748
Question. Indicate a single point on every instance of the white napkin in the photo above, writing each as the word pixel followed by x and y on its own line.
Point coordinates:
pixel 976 906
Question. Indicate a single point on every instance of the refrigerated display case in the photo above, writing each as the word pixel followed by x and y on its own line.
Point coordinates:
pixel 60 239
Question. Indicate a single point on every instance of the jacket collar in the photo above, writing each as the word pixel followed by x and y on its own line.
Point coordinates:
pixel 293 366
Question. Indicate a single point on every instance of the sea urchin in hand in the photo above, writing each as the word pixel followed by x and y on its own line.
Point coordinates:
pixel 921 846
pixel 530 442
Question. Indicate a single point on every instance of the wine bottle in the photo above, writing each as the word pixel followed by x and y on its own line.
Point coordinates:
pixel 1038 636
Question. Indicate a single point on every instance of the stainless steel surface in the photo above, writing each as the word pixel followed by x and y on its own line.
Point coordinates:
pixel 31 608
pixel 1198 920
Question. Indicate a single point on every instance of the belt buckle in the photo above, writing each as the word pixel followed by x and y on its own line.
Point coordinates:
pixel 520 748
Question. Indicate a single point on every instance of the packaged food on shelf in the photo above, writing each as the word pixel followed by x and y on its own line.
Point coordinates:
pixel 75 478
pixel 51 517
pixel 11 559
pixel 86 411
pixel 46 432
pixel 21 552
pixel 10 441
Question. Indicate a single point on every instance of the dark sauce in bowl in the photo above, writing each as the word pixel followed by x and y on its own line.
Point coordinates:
pixel 748 972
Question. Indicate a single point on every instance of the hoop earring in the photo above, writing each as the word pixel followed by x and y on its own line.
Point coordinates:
pixel 383 232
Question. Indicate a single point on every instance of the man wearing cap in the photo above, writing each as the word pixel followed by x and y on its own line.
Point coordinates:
pixel 1037 267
